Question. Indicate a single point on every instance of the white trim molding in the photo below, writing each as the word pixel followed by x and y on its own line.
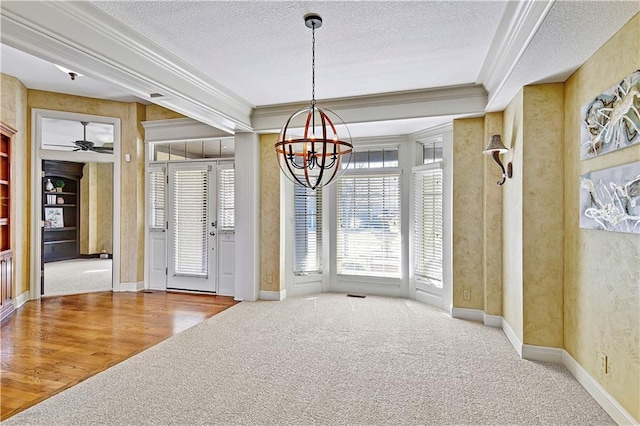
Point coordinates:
pixel 602 397
pixel 512 336
pixel 180 129
pixel 21 299
pixel 131 286
pixel 476 315
pixel 542 353
pixel 82 37
pixel 273 295
pixel 518 25
pixel 463 99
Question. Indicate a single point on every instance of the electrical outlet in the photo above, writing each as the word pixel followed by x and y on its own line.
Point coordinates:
pixel 603 362
pixel 466 294
pixel 269 278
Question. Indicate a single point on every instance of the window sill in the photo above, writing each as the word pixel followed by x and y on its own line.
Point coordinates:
pixel 360 279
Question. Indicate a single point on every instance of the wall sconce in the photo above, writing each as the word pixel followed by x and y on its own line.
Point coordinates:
pixel 495 148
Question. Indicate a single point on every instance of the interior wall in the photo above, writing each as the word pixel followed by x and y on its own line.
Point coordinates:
pixel 156 112
pixel 492 221
pixel 601 269
pixel 542 212
pixel 96 217
pixel 13 112
pixel 269 215
pixel 512 137
pixel 467 212
pixel 132 186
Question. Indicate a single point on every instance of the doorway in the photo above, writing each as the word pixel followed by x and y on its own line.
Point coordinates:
pixel 77 237
pixel 93 143
pixel 191 233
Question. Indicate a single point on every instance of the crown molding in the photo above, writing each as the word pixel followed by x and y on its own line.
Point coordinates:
pixel 180 129
pixel 463 99
pixel 517 27
pixel 431 132
pixel 82 37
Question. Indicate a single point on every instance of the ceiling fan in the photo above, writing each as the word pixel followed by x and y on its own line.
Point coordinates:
pixel 85 145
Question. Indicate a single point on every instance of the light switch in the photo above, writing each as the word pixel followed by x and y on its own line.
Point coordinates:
pixel 127 158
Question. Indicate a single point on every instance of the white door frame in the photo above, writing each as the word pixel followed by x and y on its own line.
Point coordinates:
pixel 37 155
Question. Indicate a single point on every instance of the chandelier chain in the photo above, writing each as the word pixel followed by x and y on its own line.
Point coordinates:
pixel 313 64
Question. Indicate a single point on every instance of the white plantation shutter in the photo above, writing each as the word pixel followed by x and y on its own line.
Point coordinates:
pixel 308 230
pixel 157 181
pixel 226 200
pixel 428 226
pixel 190 222
pixel 368 234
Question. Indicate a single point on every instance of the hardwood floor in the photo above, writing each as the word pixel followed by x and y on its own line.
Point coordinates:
pixel 53 344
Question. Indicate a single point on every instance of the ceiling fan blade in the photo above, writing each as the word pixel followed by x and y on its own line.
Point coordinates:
pixel 102 149
pixel 45 145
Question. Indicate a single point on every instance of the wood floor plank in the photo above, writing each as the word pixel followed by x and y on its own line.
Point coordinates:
pixel 52 344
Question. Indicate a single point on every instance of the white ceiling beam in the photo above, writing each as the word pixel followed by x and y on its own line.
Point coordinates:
pixel 518 25
pixel 80 36
pixel 465 99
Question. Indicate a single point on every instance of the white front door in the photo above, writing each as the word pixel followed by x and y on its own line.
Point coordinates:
pixel 191 229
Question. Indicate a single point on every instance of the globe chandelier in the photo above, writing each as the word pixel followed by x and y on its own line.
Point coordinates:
pixel 319 156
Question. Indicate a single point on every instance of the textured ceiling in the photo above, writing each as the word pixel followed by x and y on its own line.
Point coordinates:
pixel 38 74
pixel 261 50
pixel 570 34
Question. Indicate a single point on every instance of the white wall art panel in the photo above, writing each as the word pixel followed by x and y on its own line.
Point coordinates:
pixel 610 199
pixel 611 121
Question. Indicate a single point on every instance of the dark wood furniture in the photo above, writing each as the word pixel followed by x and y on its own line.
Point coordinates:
pixel 6 258
pixel 61 238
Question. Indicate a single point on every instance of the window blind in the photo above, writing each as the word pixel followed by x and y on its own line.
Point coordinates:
pixel 190 206
pixel 226 200
pixel 368 234
pixel 428 226
pixel 156 199
pixel 308 230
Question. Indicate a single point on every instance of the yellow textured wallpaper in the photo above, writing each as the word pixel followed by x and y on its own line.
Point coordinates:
pixel 132 186
pixel 269 215
pixel 602 269
pixel 14 113
pixel 156 112
pixel 512 137
pixel 96 218
pixel 492 222
pixel 542 214
pixel 467 212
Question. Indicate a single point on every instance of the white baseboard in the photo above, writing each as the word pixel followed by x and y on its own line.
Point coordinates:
pixel 542 353
pixel 132 286
pixel 512 336
pixel 602 397
pixel 21 299
pixel 273 295
pixel 477 315
pixel 468 314
pixel 493 320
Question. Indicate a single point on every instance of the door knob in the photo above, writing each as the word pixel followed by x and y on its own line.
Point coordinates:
pixel 212 233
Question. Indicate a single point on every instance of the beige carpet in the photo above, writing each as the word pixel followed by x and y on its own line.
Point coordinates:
pixel 77 276
pixel 327 359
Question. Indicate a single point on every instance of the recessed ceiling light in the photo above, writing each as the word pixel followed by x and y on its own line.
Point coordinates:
pixel 71 73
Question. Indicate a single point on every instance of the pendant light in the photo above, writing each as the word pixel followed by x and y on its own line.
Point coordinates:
pixel 317 156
